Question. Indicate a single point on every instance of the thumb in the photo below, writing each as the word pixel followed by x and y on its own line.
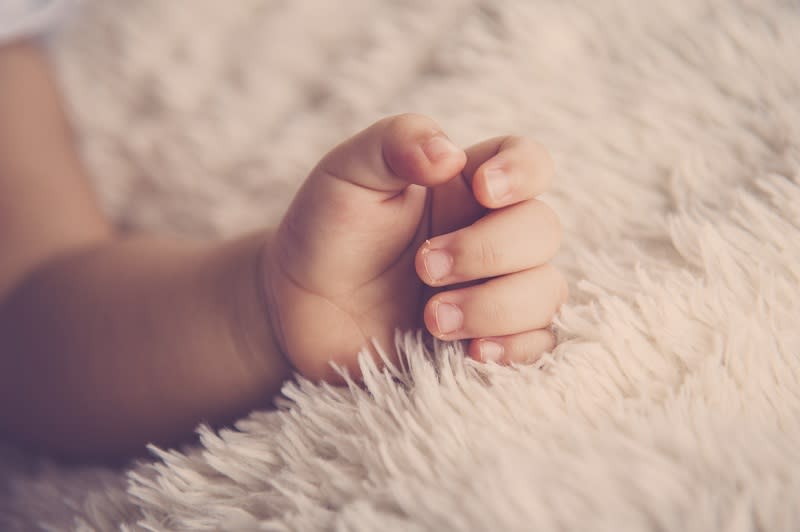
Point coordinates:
pixel 392 154
pixel 351 219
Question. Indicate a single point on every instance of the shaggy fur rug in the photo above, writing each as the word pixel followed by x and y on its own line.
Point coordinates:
pixel 673 399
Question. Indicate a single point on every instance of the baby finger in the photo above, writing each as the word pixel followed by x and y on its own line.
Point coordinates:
pixel 523 347
pixel 510 240
pixel 506 305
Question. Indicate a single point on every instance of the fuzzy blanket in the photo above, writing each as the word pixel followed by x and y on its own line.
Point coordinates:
pixel 673 399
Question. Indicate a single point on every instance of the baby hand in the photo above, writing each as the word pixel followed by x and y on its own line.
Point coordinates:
pixel 396 228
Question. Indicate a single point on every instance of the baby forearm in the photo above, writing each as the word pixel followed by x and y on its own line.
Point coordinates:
pixel 135 341
pixel 107 343
pixel 46 202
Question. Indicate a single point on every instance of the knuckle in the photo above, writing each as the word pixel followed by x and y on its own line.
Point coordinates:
pixel 400 160
pixel 401 135
pixel 538 342
pixel 538 157
pixel 487 255
pixel 556 287
pixel 397 143
pixel 542 162
pixel 561 290
pixel 552 222
pixel 554 274
pixel 495 312
pixel 549 231
pixel 529 346
pixel 546 342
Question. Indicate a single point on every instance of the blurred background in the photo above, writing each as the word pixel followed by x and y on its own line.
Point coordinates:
pixel 674 126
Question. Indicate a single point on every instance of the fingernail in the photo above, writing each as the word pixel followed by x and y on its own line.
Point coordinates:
pixel 448 318
pixel 438 264
pixel 438 148
pixel 498 184
pixel 490 351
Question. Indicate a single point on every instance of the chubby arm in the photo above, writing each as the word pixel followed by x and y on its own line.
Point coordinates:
pixel 109 342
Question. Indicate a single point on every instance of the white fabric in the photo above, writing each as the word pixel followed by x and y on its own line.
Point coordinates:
pixel 673 400
pixel 22 18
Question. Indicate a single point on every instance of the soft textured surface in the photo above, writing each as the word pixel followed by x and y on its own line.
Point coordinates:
pixel 672 402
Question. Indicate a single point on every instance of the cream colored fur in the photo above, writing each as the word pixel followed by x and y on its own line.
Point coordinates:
pixel 673 399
